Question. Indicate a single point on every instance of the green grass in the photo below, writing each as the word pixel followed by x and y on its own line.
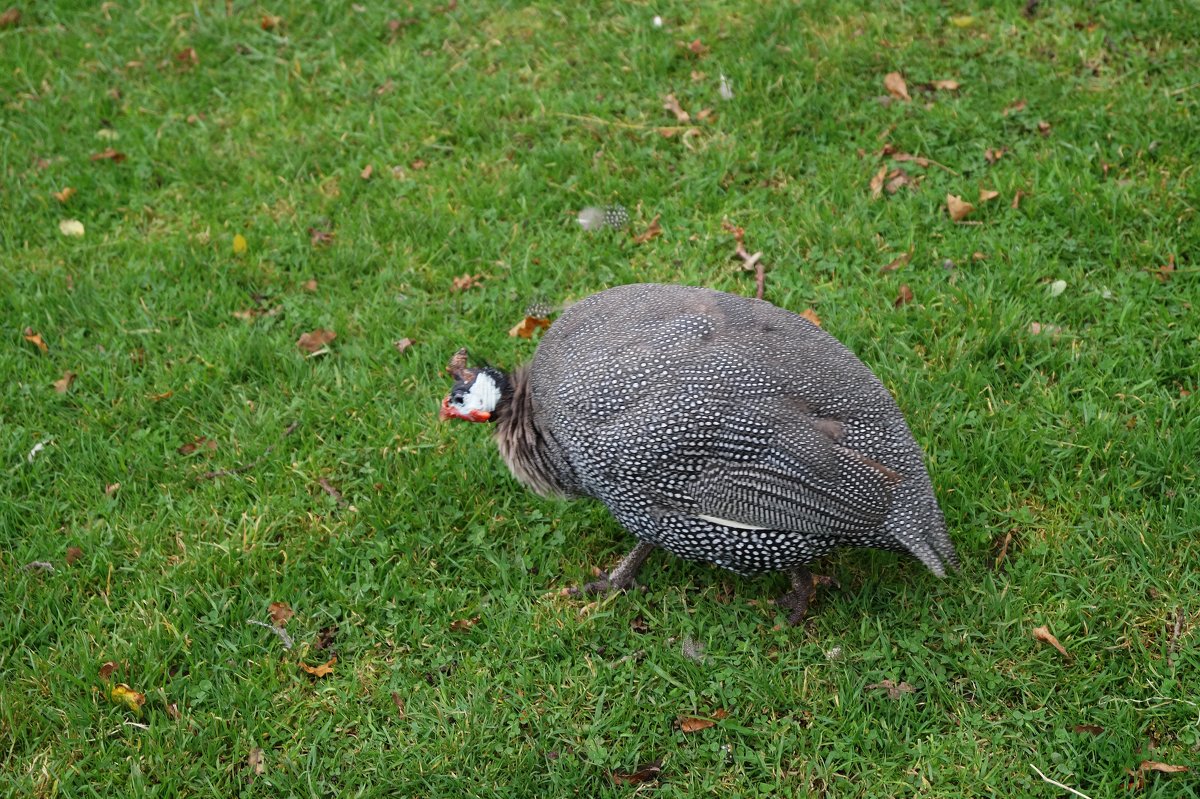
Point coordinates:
pixel 1081 443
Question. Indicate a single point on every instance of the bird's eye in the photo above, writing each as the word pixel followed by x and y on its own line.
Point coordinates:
pixel 457 398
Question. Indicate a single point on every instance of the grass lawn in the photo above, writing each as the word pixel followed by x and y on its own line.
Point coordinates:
pixel 391 171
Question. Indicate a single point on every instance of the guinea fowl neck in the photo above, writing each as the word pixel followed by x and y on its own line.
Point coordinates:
pixel 529 453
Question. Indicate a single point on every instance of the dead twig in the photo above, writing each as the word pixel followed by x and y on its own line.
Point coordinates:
pixel 282 633
pixel 332 491
pixel 1174 645
pixel 750 261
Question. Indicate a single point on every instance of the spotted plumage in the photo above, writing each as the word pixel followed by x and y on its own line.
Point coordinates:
pixel 719 428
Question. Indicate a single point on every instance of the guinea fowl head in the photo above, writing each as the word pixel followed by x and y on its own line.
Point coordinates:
pixel 476 393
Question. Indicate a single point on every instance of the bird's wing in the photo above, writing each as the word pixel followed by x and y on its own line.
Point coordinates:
pixel 774 472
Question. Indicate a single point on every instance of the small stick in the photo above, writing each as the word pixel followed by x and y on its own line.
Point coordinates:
pixel 282 633
pixel 333 492
pixel 1058 784
pixel 1174 646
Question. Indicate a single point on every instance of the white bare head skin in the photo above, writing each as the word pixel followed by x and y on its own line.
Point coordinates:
pixel 474 401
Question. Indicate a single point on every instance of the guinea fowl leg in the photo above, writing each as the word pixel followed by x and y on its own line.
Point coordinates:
pixel 804 587
pixel 620 578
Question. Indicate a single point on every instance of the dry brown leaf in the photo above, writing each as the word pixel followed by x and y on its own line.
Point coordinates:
pixel 901 260
pixel 811 315
pixel 270 22
pixel 904 296
pixel 122 694
pixel 187 57
pixel 280 613
pixel 670 103
pixel 894 689
pixel 987 194
pixel 896 86
pixel 417 165
pixel 111 488
pixel 1044 128
pixel 1043 634
pixel 314 341
pixel 958 208
pixel 10 18
pixel 1016 107
pixel 462 625
pixel 255 759
pixel 697 48
pixel 945 85
pixel 1162 274
pixel 35 339
pixel 992 155
pixel 73 554
pixel 173 711
pixel 898 179
pixel 109 155
pixel 528 326
pixel 107 669
pixel 198 443
pixel 323 670
pixel 1163 768
pixel 368 170
pixel 690 724
pixel 309 285
pixel 63 384
pixel 399 703
pixel 643 773
pixel 705 114
pixel 64 195
pixel 325 637
pixel 402 344
pixel 466 281
pixel 653 230
pixel 1091 729
pixel 318 237
pixel 877 182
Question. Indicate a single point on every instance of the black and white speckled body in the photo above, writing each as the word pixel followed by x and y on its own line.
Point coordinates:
pixel 722 429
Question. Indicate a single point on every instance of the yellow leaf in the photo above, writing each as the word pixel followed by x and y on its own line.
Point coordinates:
pixel 320 671
pixel 528 326
pixel 811 315
pixel 122 694
pixel 239 244
pixel 63 384
pixel 962 22
pixel 64 195
pixel 1043 634
pixel 36 340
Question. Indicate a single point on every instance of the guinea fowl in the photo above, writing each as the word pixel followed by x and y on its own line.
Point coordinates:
pixel 717 427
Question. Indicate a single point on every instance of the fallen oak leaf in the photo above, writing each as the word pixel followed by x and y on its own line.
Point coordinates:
pixel 1162 274
pixel 987 194
pixel 255 759
pixel 1091 729
pixel 896 86
pixel 107 669
pixel 73 554
pixel 270 22
pixel 1016 201
pixel 10 18
pixel 945 85
pixel 198 443
pixel 466 281
pixel 399 703
pixel 877 183
pixel 898 179
pixel 35 339
pixel 64 195
pixel 670 103
pixel 109 154
pixel 309 285
pixel 318 237
pixel 1043 128
pixel 314 341
pixel 1043 634
pixel 63 384
pixel 957 207
pixel 324 670
pixel 367 171
pixel 894 689
pixel 402 344
pixel 462 625
pixel 653 230
pixel 697 48
pixel 280 612
pixel 1162 768
pixel 904 297
pixel 690 724
pixel 643 773
pixel 811 315
pixel 900 260
pixel 1015 107
pixel 994 154
pixel 122 694
pixel 528 326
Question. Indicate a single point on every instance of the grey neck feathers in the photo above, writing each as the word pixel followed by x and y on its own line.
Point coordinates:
pixel 532 457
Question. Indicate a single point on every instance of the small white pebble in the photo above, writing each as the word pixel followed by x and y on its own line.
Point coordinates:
pixel 1058 287
pixel 657 21
pixel 591 218
pixel 725 90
